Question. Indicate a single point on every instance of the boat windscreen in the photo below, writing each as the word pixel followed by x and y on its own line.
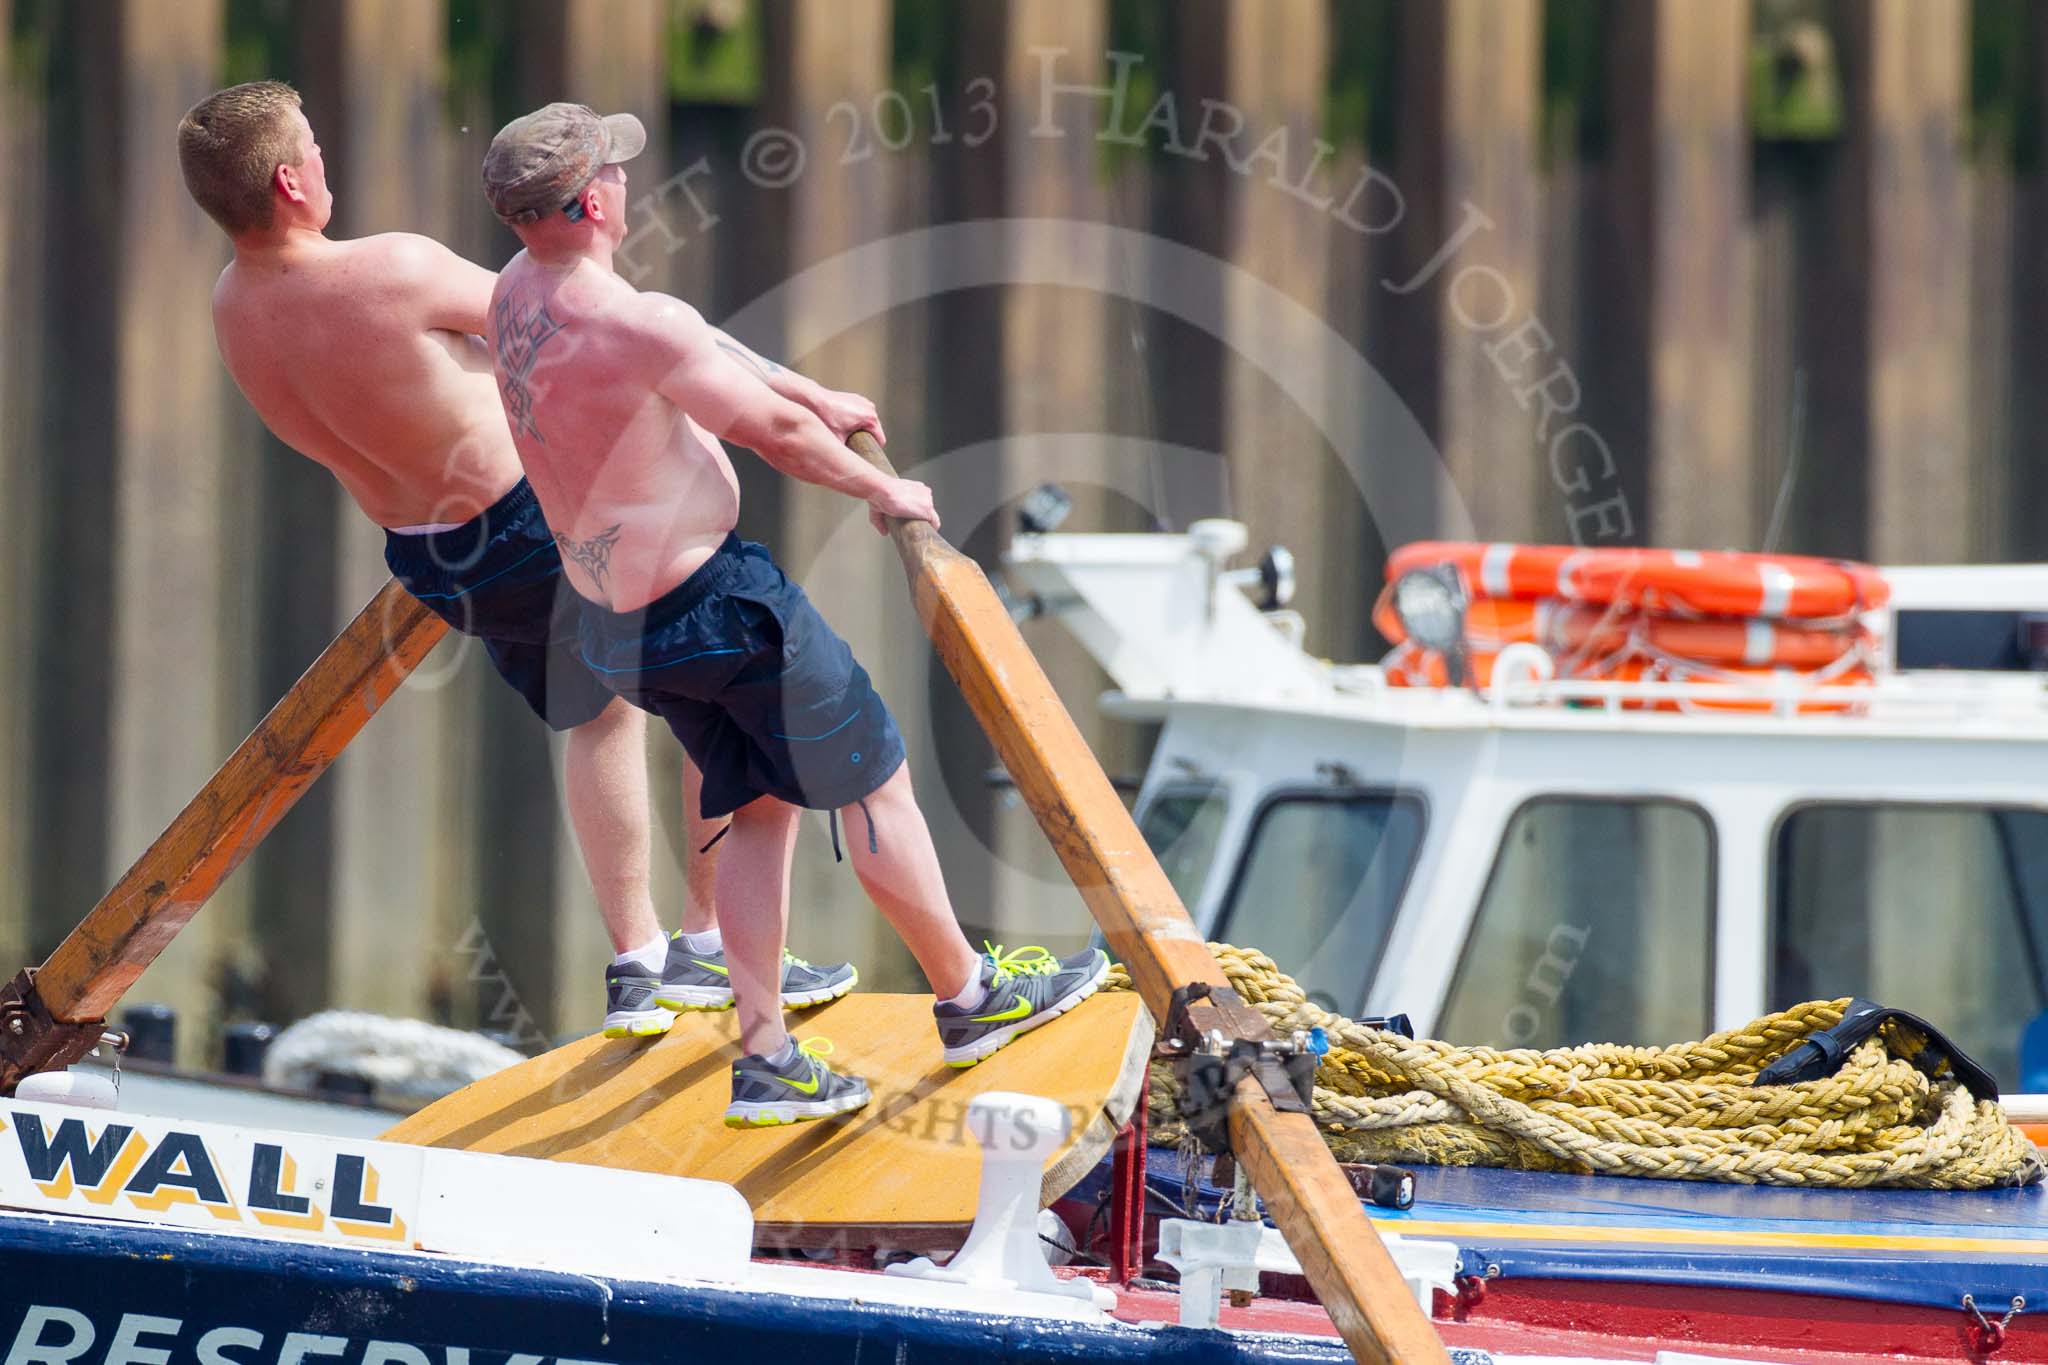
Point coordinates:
pixel 1596 925
pixel 1937 909
pixel 1319 886
pixel 1181 826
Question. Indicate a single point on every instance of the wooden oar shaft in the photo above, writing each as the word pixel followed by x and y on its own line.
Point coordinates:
pixel 1057 773
pixel 240 804
pixel 1142 916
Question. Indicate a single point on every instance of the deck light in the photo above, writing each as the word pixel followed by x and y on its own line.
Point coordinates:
pixel 1271 584
pixel 1431 604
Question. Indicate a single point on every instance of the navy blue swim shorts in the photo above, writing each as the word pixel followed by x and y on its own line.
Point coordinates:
pixel 498 577
pixel 765 697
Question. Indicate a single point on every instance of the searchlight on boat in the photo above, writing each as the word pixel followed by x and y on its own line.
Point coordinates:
pixel 1431 604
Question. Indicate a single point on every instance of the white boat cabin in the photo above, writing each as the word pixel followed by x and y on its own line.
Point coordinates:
pixel 1549 862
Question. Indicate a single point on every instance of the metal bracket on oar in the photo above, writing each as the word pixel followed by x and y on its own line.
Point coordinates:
pixel 1215 1040
pixel 32 1039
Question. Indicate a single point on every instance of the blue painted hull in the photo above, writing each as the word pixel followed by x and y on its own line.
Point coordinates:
pixel 222 1300
pixel 1925 1248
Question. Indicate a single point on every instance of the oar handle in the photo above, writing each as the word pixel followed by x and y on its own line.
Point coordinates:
pixel 915 540
pixel 868 448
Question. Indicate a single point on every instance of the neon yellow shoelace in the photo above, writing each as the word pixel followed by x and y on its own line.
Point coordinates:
pixel 1031 960
pixel 819 1048
pixel 788 956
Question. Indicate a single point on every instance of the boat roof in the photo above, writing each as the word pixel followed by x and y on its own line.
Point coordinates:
pixel 1941 709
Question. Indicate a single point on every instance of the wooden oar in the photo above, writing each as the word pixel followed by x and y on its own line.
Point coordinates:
pixel 240 804
pixel 1145 922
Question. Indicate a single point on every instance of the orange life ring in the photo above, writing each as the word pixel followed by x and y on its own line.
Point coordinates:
pixel 1755 643
pixel 1695 582
pixel 1565 626
pixel 1410 665
pixel 1846 672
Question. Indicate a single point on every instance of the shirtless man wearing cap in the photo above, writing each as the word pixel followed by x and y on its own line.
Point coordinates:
pixel 617 401
pixel 367 356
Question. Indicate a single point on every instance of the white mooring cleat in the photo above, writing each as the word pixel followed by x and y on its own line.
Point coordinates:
pixel 1017 1134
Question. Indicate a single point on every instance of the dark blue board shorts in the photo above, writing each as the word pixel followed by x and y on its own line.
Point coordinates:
pixel 498 577
pixel 766 698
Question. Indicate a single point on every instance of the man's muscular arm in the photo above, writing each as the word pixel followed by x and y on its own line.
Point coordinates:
pixel 730 400
pixel 451 293
pixel 844 413
pixel 786 382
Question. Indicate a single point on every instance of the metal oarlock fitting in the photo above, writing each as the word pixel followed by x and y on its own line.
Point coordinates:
pixel 32 1039
pixel 1216 1040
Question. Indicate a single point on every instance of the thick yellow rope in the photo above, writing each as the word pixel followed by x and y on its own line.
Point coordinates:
pixel 1687 1112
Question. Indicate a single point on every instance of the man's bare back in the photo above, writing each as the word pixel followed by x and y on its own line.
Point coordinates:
pixel 365 356
pixel 638 493
pixel 618 400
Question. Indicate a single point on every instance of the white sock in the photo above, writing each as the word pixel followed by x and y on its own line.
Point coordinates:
pixel 653 955
pixel 975 991
pixel 785 1054
pixel 710 941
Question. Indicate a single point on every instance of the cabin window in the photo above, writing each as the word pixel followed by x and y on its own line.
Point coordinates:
pixel 1941 910
pixel 1597 925
pixel 1319 885
pixel 1181 826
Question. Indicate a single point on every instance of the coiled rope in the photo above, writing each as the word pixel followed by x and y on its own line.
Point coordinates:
pixel 1688 1112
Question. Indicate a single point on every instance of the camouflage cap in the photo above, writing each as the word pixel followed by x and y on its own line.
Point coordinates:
pixel 540 161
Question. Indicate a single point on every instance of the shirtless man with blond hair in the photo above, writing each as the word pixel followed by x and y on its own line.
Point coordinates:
pixel 367 356
pixel 618 400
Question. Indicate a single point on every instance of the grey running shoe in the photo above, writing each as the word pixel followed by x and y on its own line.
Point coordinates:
pixel 1025 989
pixel 630 1007
pixel 698 981
pixel 765 1095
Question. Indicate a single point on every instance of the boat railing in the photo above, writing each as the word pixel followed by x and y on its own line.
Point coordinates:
pixel 1522 681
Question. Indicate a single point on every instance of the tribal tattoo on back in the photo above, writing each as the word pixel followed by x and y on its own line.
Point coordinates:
pixel 521 334
pixel 593 556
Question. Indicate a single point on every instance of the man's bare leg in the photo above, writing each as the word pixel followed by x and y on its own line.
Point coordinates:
pixel 700 864
pixel 800 983
pixel 753 914
pixel 900 870
pixel 605 773
pixel 980 1007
